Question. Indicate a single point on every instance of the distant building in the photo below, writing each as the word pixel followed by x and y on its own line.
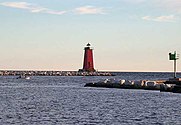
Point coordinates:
pixel 88 64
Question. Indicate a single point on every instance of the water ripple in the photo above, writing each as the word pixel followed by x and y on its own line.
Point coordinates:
pixel 64 101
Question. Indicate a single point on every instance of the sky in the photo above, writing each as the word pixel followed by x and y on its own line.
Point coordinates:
pixel 127 35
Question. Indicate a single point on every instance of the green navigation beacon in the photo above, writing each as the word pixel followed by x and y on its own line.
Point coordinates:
pixel 174 57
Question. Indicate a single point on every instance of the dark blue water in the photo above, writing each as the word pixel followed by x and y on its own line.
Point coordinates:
pixel 64 101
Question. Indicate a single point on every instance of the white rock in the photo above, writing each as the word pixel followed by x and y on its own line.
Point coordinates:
pixel 150 83
pixel 122 81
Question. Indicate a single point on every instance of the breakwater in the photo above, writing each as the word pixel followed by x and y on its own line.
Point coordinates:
pixel 161 85
pixel 52 73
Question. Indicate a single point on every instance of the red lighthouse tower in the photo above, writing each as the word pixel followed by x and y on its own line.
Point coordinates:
pixel 88 65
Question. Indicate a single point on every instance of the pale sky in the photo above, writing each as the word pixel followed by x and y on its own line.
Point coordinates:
pixel 127 35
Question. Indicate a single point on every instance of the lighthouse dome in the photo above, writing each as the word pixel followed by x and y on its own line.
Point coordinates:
pixel 88 44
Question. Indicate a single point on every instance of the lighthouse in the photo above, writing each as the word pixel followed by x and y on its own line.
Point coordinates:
pixel 88 64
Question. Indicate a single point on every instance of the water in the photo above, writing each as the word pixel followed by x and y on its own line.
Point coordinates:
pixel 64 101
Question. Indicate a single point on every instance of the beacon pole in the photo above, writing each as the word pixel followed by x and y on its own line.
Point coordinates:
pixel 175 68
